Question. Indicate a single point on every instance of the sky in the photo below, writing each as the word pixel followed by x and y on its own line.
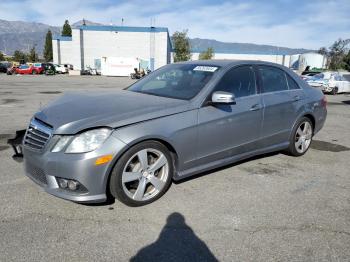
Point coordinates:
pixel 289 23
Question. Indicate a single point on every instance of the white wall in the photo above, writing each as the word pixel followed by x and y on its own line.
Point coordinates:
pixel 267 58
pixel 55 51
pixel 98 44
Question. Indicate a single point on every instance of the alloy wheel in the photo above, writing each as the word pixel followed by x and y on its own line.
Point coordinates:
pixel 303 137
pixel 145 174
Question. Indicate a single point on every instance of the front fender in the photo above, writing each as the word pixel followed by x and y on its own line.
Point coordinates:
pixel 178 130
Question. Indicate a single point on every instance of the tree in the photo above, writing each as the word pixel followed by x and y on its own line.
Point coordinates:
pixel 48 47
pixel 346 61
pixel 207 54
pixel 67 30
pixel 32 57
pixel 181 46
pixel 19 55
pixel 2 57
pixel 337 53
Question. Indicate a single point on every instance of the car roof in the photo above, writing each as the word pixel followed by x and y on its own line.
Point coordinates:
pixel 229 62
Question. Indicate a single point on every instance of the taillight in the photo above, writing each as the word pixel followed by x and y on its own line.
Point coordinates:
pixel 324 101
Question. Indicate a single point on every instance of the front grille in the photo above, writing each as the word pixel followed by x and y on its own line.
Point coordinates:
pixel 37 135
pixel 36 173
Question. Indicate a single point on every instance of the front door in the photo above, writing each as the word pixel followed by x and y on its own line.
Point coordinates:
pixel 228 130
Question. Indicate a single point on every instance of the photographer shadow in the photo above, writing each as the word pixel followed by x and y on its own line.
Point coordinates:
pixel 176 242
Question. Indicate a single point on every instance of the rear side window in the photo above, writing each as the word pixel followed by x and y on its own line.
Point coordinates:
pixel 240 81
pixel 291 83
pixel 273 79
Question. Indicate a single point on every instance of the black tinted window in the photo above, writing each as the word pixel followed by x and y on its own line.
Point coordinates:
pixel 273 79
pixel 291 83
pixel 239 81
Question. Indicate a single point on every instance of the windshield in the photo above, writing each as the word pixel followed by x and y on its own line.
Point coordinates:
pixel 180 81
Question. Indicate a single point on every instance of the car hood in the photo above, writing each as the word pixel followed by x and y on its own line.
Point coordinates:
pixel 74 112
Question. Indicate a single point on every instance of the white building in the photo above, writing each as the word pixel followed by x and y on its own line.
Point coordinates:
pixel 297 61
pixel 89 44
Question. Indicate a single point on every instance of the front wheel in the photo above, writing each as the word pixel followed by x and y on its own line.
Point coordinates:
pixel 143 174
pixel 301 137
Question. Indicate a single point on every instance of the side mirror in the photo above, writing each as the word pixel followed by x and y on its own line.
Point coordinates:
pixel 221 97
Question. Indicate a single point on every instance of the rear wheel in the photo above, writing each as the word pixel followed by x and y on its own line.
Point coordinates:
pixel 301 137
pixel 143 174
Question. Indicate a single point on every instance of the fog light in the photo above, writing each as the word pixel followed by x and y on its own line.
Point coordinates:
pixel 63 183
pixel 73 185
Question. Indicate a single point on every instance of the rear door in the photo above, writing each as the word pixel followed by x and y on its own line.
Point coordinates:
pixel 281 104
pixel 227 130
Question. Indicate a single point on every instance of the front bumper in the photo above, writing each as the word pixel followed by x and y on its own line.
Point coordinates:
pixel 44 167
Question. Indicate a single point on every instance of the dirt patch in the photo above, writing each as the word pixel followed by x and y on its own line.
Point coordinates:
pixel 327 146
pixel 263 169
pixel 50 92
pixel 10 100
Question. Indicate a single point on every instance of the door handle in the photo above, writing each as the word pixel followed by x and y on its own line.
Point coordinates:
pixel 255 107
pixel 296 98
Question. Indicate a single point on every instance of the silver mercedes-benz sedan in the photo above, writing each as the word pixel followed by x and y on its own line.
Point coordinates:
pixel 180 120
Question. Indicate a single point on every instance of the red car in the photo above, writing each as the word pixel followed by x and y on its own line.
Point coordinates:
pixel 34 69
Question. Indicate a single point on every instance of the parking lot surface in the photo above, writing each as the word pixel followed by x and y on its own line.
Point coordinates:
pixel 270 208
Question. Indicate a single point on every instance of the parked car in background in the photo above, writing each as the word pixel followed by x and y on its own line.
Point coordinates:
pixel 307 75
pixel 4 66
pixel 63 68
pixel 60 69
pixel 39 68
pixel 50 69
pixel 26 70
pixel 11 70
pixel 330 82
pixel 181 120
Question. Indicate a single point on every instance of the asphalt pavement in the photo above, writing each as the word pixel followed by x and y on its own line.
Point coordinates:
pixel 270 208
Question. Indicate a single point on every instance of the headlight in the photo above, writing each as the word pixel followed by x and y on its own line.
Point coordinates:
pixel 61 143
pixel 88 141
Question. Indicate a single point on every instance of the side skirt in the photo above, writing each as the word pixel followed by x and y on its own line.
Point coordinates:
pixel 229 160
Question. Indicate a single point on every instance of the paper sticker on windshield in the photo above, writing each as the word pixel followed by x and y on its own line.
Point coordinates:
pixel 205 68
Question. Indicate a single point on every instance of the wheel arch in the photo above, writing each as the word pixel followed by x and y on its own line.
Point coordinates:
pixel 163 141
pixel 312 119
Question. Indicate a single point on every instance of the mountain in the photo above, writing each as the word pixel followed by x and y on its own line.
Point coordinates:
pixel 19 35
pixel 199 45
pixel 87 22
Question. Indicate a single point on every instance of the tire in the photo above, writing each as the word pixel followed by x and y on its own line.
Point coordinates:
pixel 335 91
pixel 135 182
pixel 301 139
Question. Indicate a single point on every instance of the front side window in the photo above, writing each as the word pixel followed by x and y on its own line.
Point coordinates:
pixel 180 81
pixel 240 81
pixel 273 79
